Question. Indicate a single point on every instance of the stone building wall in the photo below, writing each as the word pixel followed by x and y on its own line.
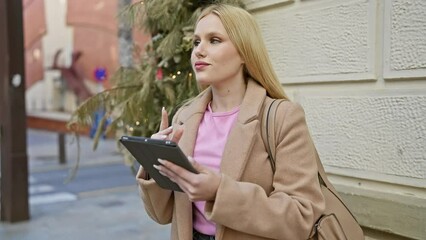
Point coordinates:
pixel 358 67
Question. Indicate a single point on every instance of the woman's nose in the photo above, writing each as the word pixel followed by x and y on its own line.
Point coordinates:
pixel 199 50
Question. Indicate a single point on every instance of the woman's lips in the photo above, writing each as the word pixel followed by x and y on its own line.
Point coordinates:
pixel 200 65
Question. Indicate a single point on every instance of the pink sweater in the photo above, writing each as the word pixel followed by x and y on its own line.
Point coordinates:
pixel 211 138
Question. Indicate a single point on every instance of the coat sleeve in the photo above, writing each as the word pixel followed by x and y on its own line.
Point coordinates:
pixel 296 202
pixel 158 202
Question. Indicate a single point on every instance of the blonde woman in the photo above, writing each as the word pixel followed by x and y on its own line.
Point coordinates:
pixel 236 194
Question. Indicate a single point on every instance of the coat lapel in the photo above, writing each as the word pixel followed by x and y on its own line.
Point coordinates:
pixel 243 131
pixel 241 138
pixel 189 118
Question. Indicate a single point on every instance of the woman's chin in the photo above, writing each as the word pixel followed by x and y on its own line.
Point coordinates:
pixel 203 82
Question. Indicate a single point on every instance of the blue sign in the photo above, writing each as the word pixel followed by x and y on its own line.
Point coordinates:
pixel 100 74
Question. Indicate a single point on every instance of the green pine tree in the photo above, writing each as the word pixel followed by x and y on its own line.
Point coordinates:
pixel 163 76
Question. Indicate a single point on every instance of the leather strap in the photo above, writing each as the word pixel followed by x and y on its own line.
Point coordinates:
pixel 268 136
pixel 268 131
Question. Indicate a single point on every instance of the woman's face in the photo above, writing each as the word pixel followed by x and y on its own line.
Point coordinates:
pixel 214 58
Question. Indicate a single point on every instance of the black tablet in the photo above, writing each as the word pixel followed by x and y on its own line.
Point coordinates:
pixel 147 151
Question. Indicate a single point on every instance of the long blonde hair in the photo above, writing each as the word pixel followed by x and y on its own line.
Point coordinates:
pixel 246 36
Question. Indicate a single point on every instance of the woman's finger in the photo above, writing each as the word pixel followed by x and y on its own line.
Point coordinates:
pixel 166 172
pixel 163 134
pixel 176 172
pixel 177 134
pixel 164 119
pixel 174 177
pixel 159 136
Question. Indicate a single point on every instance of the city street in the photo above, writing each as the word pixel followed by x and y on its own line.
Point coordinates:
pixel 101 202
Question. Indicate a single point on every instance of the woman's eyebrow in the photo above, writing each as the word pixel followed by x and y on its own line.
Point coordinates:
pixel 209 34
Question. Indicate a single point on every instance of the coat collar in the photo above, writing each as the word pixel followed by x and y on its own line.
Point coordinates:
pixel 249 110
pixel 240 139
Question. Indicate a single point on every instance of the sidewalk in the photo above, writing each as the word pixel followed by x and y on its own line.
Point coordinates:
pixel 108 214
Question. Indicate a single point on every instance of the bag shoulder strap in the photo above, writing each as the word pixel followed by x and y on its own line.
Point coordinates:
pixel 268 128
pixel 268 136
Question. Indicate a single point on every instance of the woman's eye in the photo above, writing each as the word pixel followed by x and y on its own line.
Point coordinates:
pixel 215 41
pixel 196 42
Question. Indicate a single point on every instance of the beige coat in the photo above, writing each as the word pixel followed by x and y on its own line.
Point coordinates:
pixel 251 202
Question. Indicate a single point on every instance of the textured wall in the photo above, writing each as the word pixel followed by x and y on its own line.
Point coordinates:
pixel 256 4
pixel 382 134
pixel 358 67
pixel 322 42
pixel 405 39
pixel 369 126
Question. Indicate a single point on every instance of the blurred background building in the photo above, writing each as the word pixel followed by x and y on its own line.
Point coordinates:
pixel 86 27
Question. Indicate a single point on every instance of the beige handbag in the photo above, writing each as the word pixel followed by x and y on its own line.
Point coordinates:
pixel 337 222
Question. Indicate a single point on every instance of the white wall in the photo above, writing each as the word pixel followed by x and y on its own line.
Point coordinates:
pixel 59 35
pixel 45 95
pixel 358 67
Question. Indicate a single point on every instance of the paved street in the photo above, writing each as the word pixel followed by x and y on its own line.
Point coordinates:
pixel 100 170
pixel 102 201
pixel 46 187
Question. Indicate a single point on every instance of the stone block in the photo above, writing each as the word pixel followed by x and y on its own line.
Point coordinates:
pixel 317 42
pixel 379 132
pixel 253 5
pixel 405 39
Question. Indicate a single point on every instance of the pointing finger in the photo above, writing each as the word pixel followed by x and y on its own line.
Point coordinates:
pixel 164 119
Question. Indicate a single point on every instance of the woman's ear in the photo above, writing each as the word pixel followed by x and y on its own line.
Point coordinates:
pixel 245 70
